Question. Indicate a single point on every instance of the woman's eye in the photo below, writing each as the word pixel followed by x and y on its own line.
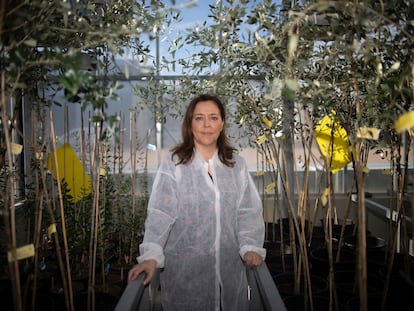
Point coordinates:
pixel 214 118
pixel 199 118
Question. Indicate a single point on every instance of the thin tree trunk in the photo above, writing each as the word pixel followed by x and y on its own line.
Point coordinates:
pixel 62 212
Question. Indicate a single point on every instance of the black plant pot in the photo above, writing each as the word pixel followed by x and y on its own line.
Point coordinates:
pixel 280 263
pixel 43 302
pixel 285 283
pixel 376 248
pixel 346 285
pixel 103 301
pixel 349 228
pixel 401 282
pixel 319 260
pixel 375 303
pixel 299 303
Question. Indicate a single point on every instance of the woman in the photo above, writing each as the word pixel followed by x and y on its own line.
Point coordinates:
pixel 204 218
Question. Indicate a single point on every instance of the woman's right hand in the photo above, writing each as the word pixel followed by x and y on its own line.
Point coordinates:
pixel 147 266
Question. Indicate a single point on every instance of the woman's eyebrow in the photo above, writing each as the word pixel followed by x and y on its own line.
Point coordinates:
pixel 207 114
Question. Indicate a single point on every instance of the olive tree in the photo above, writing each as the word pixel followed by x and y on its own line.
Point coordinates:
pixel 47 42
pixel 287 66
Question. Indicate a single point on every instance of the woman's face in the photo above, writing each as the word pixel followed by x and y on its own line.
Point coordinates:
pixel 206 124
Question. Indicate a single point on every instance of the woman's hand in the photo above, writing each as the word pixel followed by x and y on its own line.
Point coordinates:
pixel 147 266
pixel 252 259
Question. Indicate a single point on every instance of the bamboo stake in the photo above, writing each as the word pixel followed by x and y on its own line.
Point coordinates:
pixel 116 207
pixel 29 238
pixel 119 211
pixel 38 229
pixel 133 146
pixel 62 211
pixel 99 158
pixel 302 204
pixel 101 217
pixel 91 152
pixel 118 182
pixel 300 231
pixel 94 237
pixel 277 155
pixel 56 237
pixel 83 160
pixel 91 272
pixel 10 216
pixel 93 234
pixel 277 213
pixel 346 214
pixel 260 161
pixel 38 207
pixel 267 162
pixel 394 239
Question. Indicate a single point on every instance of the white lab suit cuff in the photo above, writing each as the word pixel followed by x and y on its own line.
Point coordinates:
pixel 151 251
pixel 251 248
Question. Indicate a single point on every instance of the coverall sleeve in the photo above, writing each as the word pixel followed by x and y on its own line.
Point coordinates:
pixel 161 215
pixel 251 227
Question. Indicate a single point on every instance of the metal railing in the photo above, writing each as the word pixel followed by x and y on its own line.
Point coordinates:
pixel 263 295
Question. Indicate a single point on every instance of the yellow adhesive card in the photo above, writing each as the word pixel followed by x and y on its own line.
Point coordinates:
pixel 333 142
pixel 404 122
pixel 324 198
pixel 368 133
pixel 267 122
pixel 22 252
pixel 261 139
pixel 51 229
pixel 71 171
pixel 102 171
pixel 16 148
pixel 270 187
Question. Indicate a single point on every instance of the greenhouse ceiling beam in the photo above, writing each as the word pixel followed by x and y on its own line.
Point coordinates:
pixel 168 77
pixel 144 77
pixel 155 77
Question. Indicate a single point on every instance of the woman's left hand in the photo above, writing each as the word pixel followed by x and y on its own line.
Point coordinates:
pixel 252 259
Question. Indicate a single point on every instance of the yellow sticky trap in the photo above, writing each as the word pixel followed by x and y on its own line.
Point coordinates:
pixel 22 252
pixel 102 171
pixel 324 198
pixel 50 230
pixel 261 139
pixel 259 173
pixel 267 122
pixel 242 120
pixel 270 187
pixel 368 133
pixel 404 122
pixel 71 171
pixel 333 142
pixel 16 148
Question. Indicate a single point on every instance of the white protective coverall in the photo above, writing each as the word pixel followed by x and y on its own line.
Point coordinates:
pixel 198 229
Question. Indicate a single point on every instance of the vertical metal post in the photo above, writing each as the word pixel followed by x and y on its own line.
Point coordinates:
pixel 158 108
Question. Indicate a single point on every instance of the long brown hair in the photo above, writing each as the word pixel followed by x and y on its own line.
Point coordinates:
pixel 185 150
